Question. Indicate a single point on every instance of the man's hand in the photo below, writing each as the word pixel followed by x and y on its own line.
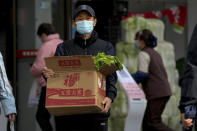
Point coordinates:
pixel 186 123
pixel 107 102
pixel 48 72
pixel 11 117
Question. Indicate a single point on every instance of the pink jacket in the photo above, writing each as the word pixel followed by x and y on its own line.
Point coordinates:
pixel 47 49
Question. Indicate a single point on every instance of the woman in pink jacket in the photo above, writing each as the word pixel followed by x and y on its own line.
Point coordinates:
pixel 50 40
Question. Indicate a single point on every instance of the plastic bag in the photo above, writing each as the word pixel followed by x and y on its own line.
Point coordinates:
pixel 34 94
pixel 11 126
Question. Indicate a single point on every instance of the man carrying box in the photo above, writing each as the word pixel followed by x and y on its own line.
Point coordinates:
pixel 86 42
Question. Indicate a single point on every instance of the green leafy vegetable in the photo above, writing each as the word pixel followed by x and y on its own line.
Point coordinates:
pixel 101 59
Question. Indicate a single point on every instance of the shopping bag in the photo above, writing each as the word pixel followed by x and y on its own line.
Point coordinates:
pixel 11 126
pixel 34 94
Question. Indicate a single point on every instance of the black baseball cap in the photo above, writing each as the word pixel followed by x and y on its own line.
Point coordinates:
pixel 84 8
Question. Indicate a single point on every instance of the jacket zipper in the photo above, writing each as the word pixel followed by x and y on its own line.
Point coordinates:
pixel 86 50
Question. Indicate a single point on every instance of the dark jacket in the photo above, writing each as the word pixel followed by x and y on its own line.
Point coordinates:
pixel 156 85
pixel 192 53
pixel 188 79
pixel 91 46
pixel 188 84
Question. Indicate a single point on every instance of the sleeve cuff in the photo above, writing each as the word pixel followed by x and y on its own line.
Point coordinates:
pixel 8 106
pixel 111 95
pixel 44 77
pixel 181 108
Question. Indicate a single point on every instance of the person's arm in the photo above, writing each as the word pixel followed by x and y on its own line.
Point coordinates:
pixel 139 76
pixel 60 50
pixel 143 66
pixel 111 80
pixel 39 63
pixel 181 104
pixel 186 123
pixel 6 96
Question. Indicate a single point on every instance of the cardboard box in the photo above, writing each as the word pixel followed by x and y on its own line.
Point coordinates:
pixel 76 87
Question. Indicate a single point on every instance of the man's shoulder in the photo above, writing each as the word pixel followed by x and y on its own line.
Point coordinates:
pixel 104 42
pixel 66 43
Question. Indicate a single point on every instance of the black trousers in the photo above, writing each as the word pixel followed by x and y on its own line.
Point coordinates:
pixel 42 115
pixel 152 119
pixel 80 123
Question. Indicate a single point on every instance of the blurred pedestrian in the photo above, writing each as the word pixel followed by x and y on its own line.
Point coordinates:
pixel 6 97
pixel 152 74
pixel 188 84
pixel 50 39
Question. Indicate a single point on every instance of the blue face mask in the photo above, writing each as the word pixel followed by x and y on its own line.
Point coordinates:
pixel 85 27
pixel 136 44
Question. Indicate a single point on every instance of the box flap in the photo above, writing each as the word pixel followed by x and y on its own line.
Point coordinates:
pixel 70 63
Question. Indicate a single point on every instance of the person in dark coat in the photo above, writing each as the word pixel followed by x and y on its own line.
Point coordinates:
pixel 152 74
pixel 86 42
pixel 188 84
